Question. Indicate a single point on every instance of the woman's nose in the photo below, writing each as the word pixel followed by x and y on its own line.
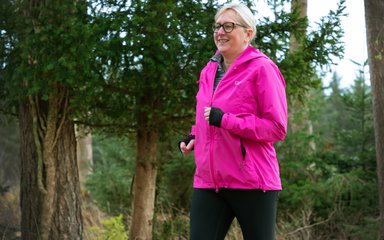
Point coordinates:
pixel 221 30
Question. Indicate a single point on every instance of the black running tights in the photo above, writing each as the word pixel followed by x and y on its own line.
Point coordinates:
pixel 213 212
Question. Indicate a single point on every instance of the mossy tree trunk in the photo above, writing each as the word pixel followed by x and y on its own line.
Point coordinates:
pixel 50 204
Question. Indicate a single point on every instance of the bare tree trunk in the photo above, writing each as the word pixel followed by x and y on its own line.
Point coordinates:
pixel 144 185
pixel 50 203
pixel 301 6
pixel 374 19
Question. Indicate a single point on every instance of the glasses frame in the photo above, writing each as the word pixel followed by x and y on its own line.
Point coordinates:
pixel 216 26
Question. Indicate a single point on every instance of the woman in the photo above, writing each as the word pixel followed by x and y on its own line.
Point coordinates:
pixel 241 111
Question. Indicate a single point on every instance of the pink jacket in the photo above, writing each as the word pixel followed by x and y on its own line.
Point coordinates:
pixel 240 154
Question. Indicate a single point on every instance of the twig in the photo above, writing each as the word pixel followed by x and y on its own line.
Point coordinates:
pixel 312 225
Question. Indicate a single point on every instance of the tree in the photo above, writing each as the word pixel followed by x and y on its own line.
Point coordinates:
pixel 374 19
pixel 300 7
pixel 148 79
pixel 41 61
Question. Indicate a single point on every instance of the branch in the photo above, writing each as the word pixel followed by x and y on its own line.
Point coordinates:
pixel 312 225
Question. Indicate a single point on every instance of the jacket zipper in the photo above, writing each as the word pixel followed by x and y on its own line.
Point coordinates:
pixel 212 130
pixel 212 133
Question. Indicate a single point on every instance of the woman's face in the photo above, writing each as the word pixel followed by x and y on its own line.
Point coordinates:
pixel 233 43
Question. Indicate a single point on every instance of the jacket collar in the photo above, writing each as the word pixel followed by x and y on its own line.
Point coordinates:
pixel 248 54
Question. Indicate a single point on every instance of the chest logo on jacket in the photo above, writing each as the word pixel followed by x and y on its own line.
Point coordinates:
pixel 237 83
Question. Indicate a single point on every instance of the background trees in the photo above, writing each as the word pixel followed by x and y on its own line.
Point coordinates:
pixel 42 60
pixel 148 68
pixel 128 71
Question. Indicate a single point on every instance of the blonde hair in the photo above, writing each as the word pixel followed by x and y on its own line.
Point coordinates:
pixel 245 15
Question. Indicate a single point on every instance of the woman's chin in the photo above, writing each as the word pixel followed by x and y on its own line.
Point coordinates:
pixel 223 49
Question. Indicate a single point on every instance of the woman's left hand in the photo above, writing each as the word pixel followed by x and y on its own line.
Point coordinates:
pixel 207 112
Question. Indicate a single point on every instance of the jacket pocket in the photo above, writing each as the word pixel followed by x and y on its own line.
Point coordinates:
pixel 243 151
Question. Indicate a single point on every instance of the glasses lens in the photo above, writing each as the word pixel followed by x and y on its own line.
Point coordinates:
pixel 216 27
pixel 228 27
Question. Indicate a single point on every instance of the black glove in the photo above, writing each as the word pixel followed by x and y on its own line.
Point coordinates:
pixel 215 116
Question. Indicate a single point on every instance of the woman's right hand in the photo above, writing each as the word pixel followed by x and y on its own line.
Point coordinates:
pixel 187 149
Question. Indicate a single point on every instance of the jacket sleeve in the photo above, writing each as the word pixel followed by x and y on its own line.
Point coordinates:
pixel 193 130
pixel 270 122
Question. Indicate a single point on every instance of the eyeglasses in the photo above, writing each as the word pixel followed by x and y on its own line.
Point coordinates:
pixel 227 26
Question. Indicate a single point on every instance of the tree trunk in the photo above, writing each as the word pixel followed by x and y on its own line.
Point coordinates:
pixel 374 19
pixel 305 122
pixel 50 204
pixel 301 6
pixel 144 185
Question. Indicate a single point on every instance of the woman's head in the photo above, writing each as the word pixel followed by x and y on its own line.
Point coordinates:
pixel 234 29
pixel 244 15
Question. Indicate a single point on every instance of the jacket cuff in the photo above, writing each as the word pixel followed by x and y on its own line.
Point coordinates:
pixel 228 121
pixel 215 116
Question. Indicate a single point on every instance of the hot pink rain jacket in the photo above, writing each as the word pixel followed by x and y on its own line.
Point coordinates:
pixel 240 154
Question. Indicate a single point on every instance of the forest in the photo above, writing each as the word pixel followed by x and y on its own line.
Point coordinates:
pixel 95 96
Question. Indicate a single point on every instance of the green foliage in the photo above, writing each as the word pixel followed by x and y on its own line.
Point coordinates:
pixel 113 229
pixel 43 45
pixel 331 191
pixel 148 66
pixel 318 45
pixel 110 182
pixel 171 226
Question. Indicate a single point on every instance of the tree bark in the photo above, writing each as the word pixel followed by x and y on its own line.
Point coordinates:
pixel 50 204
pixel 144 185
pixel 302 7
pixel 374 19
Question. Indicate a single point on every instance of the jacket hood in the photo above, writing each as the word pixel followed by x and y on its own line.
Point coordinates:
pixel 248 54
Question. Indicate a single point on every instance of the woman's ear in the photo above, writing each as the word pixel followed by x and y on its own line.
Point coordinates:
pixel 249 33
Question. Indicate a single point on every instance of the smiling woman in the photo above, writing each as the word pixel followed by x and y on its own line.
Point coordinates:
pixel 241 111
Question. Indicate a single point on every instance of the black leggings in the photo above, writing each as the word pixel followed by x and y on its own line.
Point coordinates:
pixel 212 213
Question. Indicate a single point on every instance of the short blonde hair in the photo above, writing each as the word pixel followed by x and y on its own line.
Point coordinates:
pixel 245 15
